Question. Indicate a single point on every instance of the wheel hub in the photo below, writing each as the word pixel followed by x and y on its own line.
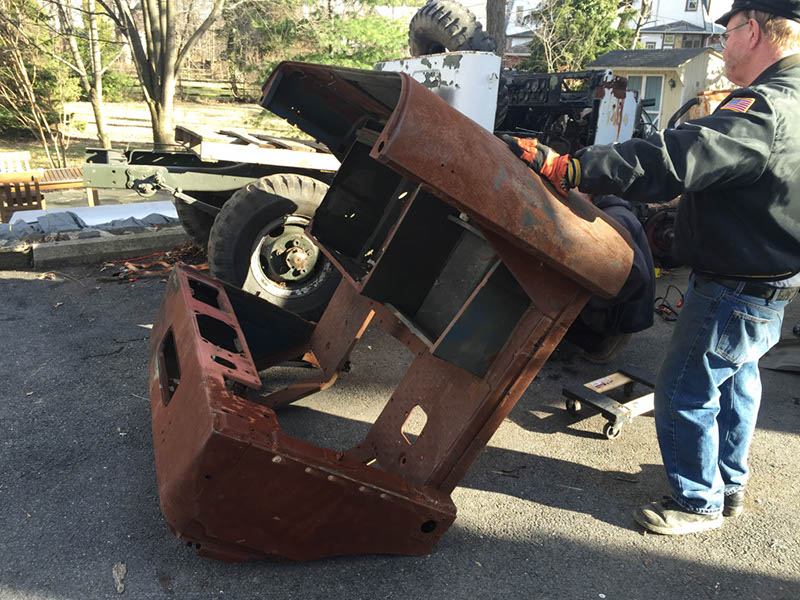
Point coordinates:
pixel 291 256
pixel 296 258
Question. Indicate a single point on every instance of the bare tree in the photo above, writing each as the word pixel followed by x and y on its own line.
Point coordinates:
pixel 159 56
pixel 91 78
pixel 641 19
pixel 28 89
pixel 557 41
pixel 63 26
pixel 496 23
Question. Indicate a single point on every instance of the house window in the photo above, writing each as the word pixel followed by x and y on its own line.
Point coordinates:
pixel 650 45
pixel 519 15
pixel 652 91
pixel 692 41
pixel 652 86
pixel 669 40
pixel 691 5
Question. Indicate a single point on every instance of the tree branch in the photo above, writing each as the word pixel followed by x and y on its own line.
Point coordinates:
pixel 112 61
pixel 28 40
pixel 218 5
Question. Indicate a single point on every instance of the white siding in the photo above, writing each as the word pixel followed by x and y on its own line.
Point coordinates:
pixel 653 38
pixel 669 11
pixel 704 73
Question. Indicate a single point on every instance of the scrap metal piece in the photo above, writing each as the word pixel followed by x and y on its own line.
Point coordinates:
pixel 229 478
pixel 481 305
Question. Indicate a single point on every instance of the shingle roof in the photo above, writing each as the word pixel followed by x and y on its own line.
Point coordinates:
pixel 647 58
pixel 683 27
pixel 676 27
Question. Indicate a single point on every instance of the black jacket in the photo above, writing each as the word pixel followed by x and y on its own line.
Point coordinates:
pixel 738 170
pixel 632 309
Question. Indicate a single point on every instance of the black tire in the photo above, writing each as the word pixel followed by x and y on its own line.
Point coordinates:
pixel 446 26
pixel 503 101
pixel 196 222
pixel 257 233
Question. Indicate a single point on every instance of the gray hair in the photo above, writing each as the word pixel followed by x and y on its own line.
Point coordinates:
pixel 780 32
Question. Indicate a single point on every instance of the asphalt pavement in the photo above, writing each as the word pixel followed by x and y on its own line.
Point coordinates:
pixel 544 513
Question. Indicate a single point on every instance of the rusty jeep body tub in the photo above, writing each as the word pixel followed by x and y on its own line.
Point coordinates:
pixel 444 239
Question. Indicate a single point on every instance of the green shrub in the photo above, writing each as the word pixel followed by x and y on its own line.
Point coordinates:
pixel 116 84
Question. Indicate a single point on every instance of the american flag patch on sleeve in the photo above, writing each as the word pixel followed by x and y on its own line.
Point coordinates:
pixel 740 104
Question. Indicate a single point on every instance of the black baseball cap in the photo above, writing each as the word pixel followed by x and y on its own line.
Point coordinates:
pixel 789 9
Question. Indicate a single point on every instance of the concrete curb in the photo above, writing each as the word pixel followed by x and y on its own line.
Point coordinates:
pixel 96 250
pixel 15 257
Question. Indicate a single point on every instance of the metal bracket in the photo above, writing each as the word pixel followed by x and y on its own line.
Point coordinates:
pixel 158 181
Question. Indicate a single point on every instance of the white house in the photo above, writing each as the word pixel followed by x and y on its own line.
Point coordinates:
pixel 681 34
pixel 695 12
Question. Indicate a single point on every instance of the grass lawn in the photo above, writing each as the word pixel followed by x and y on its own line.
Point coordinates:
pixel 128 125
pixel 75 152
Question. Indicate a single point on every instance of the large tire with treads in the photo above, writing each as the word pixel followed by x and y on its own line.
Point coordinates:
pixel 447 26
pixel 258 243
pixel 503 102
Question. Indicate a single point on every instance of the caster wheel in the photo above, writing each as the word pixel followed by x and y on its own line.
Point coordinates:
pixel 611 432
pixel 573 406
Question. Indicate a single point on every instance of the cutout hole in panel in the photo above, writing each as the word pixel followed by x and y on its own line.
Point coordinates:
pixel 204 293
pixel 428 527
pixel 414 424
pixel 219 333
pixel 224 362
pixel 170 368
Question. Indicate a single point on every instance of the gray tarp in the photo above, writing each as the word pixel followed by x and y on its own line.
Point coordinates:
pixel 60 222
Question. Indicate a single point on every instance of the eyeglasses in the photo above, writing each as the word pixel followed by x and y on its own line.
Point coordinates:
pixel 723 39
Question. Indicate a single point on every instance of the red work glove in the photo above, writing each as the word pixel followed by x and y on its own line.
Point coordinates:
pixel 564 172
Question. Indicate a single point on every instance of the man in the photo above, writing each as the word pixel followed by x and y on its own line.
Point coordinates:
pixel 738 227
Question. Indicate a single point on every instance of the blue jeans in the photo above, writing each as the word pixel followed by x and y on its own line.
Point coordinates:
pixel 708 391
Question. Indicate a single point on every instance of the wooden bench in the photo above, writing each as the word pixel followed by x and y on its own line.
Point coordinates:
pixel 19 191
pixel 15 162
pixel 22 188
